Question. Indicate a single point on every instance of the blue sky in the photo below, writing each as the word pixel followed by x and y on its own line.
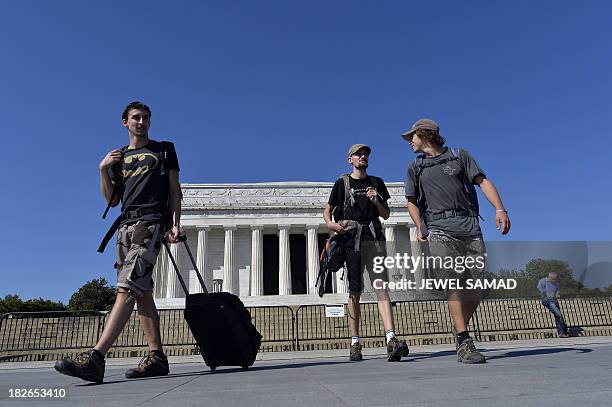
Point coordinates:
pixel 277 91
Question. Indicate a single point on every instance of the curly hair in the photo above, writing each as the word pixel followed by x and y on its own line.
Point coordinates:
pixel 134 105
pixel 431 136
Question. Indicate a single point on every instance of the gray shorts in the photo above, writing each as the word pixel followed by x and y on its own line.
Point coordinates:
pixel 138 245
pixel 463 258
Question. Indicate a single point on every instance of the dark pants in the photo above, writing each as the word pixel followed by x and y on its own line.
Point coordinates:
pixel 553 307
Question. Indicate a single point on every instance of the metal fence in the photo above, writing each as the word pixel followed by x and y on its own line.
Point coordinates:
pixel 283 329
pixel 50 330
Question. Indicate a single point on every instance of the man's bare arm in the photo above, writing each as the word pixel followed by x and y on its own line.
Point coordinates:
pixel 175 205
pixel 333 226
pixel 502 221
pixel 106 184
pixel 415 214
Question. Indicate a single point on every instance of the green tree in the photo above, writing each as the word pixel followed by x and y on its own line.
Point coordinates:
pixel 12 303
pixel 538 268
pixel 93 295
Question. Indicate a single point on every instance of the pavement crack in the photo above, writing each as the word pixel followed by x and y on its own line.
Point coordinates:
pixel 164 392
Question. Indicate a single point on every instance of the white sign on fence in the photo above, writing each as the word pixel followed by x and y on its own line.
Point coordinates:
pixel 334 311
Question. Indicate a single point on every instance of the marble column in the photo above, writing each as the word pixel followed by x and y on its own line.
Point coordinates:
pixel 159 278
pixel 312 252
pixel 201 261
pixel 394 274
pixel 229 273
pixel 284 261
pixel 342 284
pixel 172 285
pixel 415 248
pixel 256 261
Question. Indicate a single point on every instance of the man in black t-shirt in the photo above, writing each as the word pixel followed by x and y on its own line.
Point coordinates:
pixel 360 212
pixel 144 178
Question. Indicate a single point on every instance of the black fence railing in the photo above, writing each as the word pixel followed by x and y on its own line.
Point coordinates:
pixel 30 331
pixel 283 329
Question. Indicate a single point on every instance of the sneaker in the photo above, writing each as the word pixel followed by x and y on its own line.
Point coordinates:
pixel 87 366
pixel 149 366
pixel 564 335
pixel 396 349
pixel 467 353
pixel 356 352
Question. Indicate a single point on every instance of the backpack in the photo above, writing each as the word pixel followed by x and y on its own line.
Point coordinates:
pixel 331 260
pixel 467 184
pixel 166 221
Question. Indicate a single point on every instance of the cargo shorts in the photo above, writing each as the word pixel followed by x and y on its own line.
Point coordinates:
pixel 463 258
pixel 138 245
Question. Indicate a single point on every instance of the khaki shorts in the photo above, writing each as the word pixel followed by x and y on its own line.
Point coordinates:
pixel 138 245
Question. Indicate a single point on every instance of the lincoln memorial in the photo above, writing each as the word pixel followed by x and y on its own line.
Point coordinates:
pixel 262 242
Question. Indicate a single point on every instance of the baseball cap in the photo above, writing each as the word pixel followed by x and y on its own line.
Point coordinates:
pixel 356 147
pixel 425 124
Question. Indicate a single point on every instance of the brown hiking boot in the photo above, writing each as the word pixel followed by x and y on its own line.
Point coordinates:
pixel 396 349
pixel 87 366
pixel 467 353
pixel 356 353
pixel 149 366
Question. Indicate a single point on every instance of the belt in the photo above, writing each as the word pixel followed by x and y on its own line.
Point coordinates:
pixel 127 215
pixel 138 213
pixel 430 217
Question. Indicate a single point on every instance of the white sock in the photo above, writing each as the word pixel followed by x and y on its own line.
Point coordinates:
pixel 390 334
pixel 354 340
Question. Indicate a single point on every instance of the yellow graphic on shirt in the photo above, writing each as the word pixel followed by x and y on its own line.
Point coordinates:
pixel 139 164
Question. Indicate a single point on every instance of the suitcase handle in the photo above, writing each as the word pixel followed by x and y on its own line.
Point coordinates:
pixel 193 262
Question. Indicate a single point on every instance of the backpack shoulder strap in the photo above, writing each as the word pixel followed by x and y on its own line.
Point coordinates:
pixel 347 190
pixel 374 182
pixel 116 187
pixel 418 169
pixel 467 183
pixel 164 156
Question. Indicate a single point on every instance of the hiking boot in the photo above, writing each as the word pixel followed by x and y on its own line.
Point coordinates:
pixel 355 353
pixel 467 353
pixel 396 349
pixel 87 366
pixel 149 366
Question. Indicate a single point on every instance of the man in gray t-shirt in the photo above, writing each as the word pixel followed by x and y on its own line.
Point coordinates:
pixel 443 204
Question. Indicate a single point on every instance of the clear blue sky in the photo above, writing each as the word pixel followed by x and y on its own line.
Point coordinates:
pixel 277 91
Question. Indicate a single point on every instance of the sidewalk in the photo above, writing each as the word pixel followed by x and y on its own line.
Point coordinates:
pixel 552 372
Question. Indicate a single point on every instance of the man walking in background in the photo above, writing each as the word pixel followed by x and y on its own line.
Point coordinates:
pixel 549 289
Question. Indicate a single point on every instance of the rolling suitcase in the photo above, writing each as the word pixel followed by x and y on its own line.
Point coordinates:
pixel 219 322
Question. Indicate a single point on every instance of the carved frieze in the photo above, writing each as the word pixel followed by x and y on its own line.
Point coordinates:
pixel 260 196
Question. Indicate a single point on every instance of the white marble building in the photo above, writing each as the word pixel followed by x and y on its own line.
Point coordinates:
pixel 262 242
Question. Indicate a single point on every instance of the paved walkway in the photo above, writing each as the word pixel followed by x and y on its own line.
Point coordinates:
pixel 552 372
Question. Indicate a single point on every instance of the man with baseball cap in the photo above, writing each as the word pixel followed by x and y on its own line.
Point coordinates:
pixel 443 204
pixel 357 201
